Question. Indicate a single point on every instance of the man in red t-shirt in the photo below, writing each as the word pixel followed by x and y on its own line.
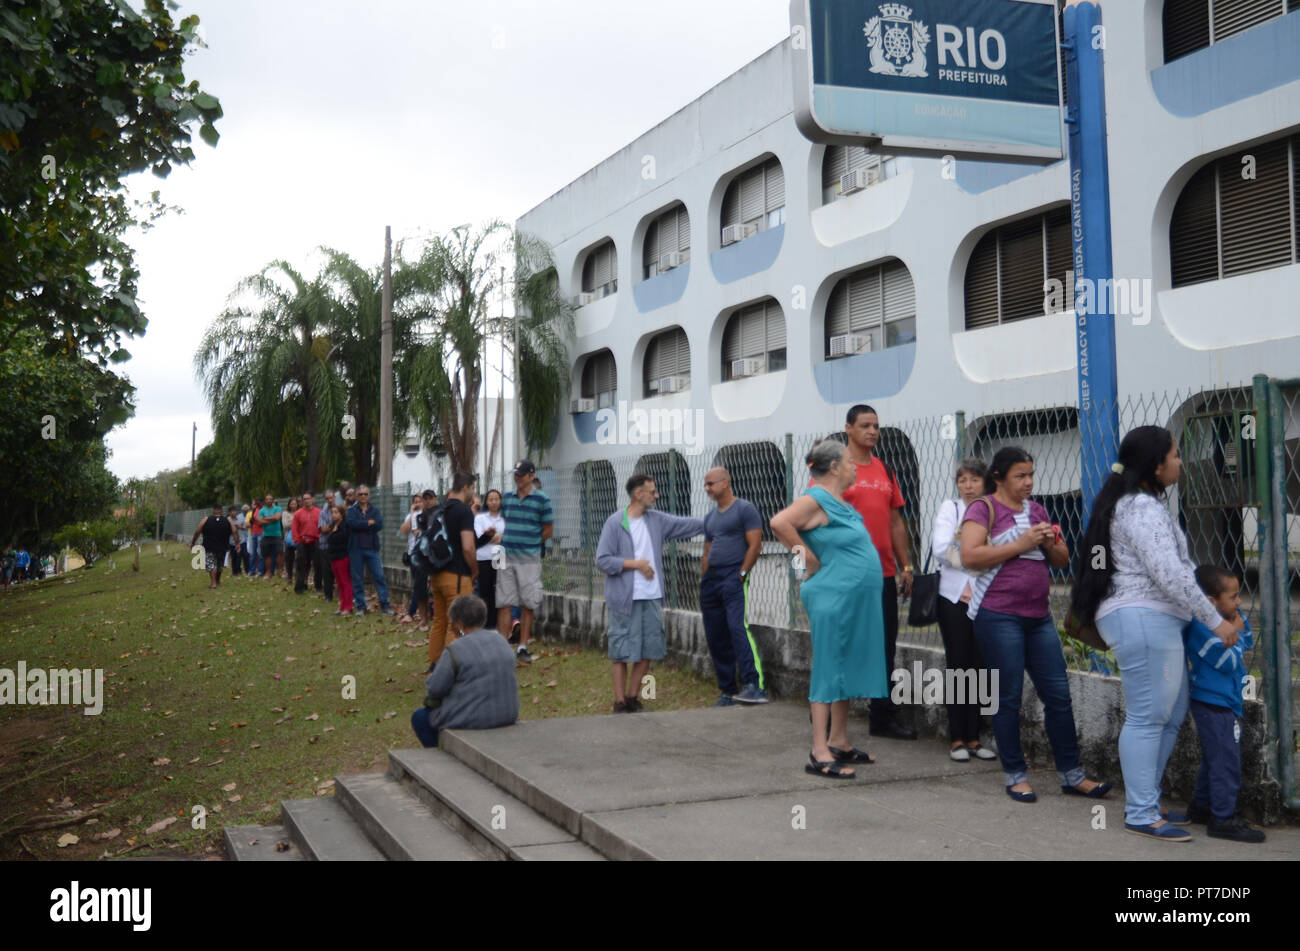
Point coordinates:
pixel 306 532
pixel 879 500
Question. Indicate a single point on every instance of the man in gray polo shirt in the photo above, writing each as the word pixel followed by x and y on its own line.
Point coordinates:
pixel 629 554
pixel 473 687
pixel 733 537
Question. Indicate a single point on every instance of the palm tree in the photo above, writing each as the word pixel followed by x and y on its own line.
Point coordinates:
pixel 447 291
pixel 354 323
pixel 276 398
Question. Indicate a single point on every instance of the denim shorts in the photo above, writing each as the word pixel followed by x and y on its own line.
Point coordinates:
pixel 638 635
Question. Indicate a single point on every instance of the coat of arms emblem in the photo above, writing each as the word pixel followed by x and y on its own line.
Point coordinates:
pixel 897 42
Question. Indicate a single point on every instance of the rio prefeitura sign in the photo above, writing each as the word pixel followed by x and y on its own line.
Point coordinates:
pixel 972 78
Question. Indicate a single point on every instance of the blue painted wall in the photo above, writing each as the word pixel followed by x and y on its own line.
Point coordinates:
pixel 865 376
pixel 751 256
pixel 662 289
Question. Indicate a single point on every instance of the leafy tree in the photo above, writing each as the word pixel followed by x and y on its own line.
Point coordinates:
pixel 90 540
pixel 212 479
pixel 53 419
pixel 449 290
pixel 91 91
pixel 268 378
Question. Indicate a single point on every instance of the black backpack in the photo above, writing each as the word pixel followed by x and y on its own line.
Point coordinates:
pixel 433 551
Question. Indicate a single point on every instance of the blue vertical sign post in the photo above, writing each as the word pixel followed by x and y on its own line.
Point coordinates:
pixel 1090 230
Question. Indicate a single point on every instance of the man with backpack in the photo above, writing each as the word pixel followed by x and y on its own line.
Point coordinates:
pixel 448 550
pixel 876 495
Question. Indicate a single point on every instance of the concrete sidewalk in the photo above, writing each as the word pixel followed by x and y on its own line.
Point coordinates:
pixel 729 784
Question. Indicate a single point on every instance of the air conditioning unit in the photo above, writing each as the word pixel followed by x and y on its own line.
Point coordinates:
pixel 750 366
pixel 733 233
pixel 860 178
pixel 583 299
pixel 583 405
pixel 842 345
pixel 669 261
pixel 672 384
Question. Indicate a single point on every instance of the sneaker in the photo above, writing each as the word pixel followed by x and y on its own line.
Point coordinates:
pixel 388 611
pixel 725 701
pixel 751 694
pixel 633 705
pixel 620 706
pixel 959 754
pixel 1165 833
pixel 522 656
pixel 1236 829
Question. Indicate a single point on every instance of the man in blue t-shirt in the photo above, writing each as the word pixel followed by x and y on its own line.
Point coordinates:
pixel 733 536
pixel 268 516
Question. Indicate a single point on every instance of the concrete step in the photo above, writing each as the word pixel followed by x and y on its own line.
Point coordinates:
pixel 257 844
pixel 482 812
pixel 324 832
pixel 398 823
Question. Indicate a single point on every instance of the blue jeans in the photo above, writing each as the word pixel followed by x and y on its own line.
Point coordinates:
pixel 426 734
pixel 1014 646
pixel 360 559
pixel 1148 645
pixel 255 553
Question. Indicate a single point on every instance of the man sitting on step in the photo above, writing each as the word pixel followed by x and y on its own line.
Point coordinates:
pixel 473 687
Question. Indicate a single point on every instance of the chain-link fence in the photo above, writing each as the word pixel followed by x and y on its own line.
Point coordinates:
pixel 1217 500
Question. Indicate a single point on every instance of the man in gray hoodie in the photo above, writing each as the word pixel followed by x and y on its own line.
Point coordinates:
pixel 629 552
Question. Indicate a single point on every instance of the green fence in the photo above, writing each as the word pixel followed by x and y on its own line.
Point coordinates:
pixel 1239 464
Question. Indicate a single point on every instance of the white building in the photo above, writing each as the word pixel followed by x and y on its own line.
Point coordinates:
pixel 725 265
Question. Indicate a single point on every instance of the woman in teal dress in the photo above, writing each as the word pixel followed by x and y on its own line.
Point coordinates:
pixel 841 591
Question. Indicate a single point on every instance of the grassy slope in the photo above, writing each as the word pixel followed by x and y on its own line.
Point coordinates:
pixel 204 688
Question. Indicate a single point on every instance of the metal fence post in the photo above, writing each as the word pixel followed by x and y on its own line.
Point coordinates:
pixel 1279 652
pixel 590 544
pixel 672 545
pixel 961 435
pixel 789 500
pixel 1268 616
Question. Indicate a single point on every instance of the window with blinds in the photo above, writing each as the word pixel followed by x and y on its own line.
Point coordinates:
pixel 840 160
pixel 1191 25
pixel 756 197
pixel 876 302
pixel 667 357
pixel 600 270
pixel 669 233
pixel 1227 221
pixel 1007 275
pixel 600 379
pixel 758 332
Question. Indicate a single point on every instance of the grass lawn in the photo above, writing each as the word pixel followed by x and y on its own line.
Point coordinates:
pixel 231 700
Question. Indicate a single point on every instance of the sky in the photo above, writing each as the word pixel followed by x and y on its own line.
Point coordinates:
pixel 343 116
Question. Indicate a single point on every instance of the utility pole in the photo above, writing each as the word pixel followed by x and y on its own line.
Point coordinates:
pixel 386 367
pixel 194 439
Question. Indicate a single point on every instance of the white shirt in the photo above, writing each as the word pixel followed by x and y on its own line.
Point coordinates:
pixel 952 581
pixel 643 590
pixel 482 522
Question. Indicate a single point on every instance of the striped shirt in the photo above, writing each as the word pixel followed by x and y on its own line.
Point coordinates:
pixel 524 521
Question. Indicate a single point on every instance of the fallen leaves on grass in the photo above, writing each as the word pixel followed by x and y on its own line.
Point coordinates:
pixel 159 825
pixel 161 762
pixel 68 839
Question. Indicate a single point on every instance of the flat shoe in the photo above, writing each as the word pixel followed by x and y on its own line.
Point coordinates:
pixel 959 754
pixel 1097 792
pixel 1165 833
pixel 1030 796
pixel 854 755
pixel 982 752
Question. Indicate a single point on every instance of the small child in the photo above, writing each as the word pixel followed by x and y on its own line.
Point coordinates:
pixel 1217 676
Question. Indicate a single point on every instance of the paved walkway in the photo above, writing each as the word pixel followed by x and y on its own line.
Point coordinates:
pixel 729 784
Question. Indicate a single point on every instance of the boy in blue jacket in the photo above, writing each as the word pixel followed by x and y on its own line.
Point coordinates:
pixel 1218 673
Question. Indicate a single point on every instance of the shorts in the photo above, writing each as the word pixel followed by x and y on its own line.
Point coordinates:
pixel 213 560
pixel 639 635
pixel 519 584
pixel 271 547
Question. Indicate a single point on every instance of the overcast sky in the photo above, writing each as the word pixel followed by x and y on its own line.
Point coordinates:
pixel 342 116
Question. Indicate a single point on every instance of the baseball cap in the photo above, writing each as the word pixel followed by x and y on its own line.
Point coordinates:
pixel 525 467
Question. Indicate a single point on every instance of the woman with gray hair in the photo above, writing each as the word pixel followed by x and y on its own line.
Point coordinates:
pixel 958 632
pixel 841 591
pixel 473 686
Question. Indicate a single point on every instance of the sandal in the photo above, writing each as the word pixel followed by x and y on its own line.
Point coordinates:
pixel 854 755
pixel 830 768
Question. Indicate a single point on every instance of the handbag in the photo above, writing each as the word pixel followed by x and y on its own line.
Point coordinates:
pixel 924 609
pixel 1086 634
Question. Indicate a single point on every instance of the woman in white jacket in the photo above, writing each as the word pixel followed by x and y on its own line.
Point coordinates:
pixel 1140 593
pixel 960 650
